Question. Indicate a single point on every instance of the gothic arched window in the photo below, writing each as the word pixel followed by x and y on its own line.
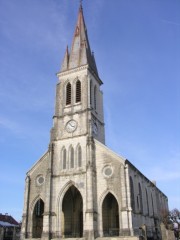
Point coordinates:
pixel 78 91
pixel 68 94
pixel 79 156
pixel 132 194
pixel 39 208
pixel 152 204
pixel 140 199
pixel 72 157
pixel 95 100
pixel 147 202
pixel 64 162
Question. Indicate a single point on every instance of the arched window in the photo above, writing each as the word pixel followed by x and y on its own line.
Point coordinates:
pixel 132 194
pixel 137 202
pixel 152 204
pixel 39 208
pixel 64 159
pixel 95 100
pixel 147 202
pixel 72 157
pixel 90 92
pixel 78 91
pixel 68 94
pixel 140 199
pixel 79 156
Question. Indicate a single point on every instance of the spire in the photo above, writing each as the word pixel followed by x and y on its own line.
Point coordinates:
pixel 64 65
pixel 80 53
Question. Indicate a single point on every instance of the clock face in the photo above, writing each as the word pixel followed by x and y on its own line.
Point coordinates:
pixel 95 128
pixel 71 126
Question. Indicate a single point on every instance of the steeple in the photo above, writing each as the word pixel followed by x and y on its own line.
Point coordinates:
pixel 80 53
pixel 64 66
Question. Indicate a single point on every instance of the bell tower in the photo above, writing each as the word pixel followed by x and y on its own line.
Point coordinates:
pixel 79 100
pixel 64 181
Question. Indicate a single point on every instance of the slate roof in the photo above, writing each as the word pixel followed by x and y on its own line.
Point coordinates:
pixel 80 53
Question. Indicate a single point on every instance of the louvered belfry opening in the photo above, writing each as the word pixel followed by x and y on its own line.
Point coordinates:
pixel 78 91
pixel 68 94
pixel 95 97
pixel 91 93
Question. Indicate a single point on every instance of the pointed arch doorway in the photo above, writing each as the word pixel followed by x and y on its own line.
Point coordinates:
pixel 110 216
pixel 38 219
pixel 72 208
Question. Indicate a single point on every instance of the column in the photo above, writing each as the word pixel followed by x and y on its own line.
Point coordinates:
pixel 89 212
pixel 24 228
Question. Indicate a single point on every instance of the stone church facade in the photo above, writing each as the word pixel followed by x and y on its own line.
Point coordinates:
pixel 80 188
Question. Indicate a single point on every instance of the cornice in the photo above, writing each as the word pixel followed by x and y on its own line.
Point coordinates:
pixel 74 70
pixel 77 69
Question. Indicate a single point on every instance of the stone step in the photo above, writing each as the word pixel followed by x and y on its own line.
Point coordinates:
pixel 118 238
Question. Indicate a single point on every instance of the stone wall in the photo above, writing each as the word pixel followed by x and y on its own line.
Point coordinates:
pixel 167 234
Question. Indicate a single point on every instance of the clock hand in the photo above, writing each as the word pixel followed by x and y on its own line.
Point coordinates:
pixel 71 124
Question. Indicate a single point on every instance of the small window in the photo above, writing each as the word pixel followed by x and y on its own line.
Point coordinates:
pixel 72 158
pixel 68 94
pixel 147 202
pixel 152 203
pixel 79 157
pixel 64 158
pixel 140 198
pixel 137 202
pixel 78 91
pixel 132 194
pixel 95 100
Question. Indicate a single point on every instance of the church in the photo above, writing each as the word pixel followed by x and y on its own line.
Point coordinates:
pixel 80 188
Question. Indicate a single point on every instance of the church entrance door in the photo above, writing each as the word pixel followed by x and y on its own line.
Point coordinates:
pixel 72 208
pixel 110 215
pixel 38 219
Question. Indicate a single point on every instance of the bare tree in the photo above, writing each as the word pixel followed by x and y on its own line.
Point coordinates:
pixel 174 215
pixel 170 217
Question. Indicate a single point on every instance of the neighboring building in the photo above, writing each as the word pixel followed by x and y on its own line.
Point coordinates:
pixel 9 228
pixel 79 187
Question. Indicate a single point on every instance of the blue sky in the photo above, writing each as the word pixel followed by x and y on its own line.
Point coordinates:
pixel 137 51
